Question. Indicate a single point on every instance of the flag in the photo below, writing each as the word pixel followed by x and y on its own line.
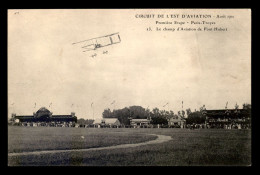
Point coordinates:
pixel 113 102
pixel 34 105
pixel 165 104
pixel 91 104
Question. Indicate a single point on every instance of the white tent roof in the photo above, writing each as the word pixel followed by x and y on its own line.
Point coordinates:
pixel 107 121
pixel 177 120
pixel 140 120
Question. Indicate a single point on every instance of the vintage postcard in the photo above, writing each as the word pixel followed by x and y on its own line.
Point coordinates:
pixel 129 87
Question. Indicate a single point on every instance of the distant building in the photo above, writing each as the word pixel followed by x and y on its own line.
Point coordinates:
pixel 107 122
pixel 177 122
pixel 139 122
pixel 43 115
pixel 228 118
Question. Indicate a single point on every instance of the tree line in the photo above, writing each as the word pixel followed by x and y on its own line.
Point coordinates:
pixel 156 115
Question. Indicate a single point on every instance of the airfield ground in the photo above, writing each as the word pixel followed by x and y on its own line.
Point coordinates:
pixel 187 147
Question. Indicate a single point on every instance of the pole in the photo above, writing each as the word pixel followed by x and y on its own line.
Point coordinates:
pixel 113 103
pixel 182 110
pixel 50 106
pixel 92 109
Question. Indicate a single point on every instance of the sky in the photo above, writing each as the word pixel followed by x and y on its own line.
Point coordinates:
pixel 147 68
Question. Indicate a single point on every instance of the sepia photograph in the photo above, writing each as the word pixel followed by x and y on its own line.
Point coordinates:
pixel 129 87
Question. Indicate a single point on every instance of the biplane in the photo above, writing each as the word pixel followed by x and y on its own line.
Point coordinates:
pixel 95 43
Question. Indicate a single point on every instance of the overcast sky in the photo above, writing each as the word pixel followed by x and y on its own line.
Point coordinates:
pixel 146 68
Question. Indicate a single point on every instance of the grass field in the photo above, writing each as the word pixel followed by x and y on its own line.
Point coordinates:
pixel 187 147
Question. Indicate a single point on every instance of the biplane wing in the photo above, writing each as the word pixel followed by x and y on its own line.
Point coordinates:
pixel 95 43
